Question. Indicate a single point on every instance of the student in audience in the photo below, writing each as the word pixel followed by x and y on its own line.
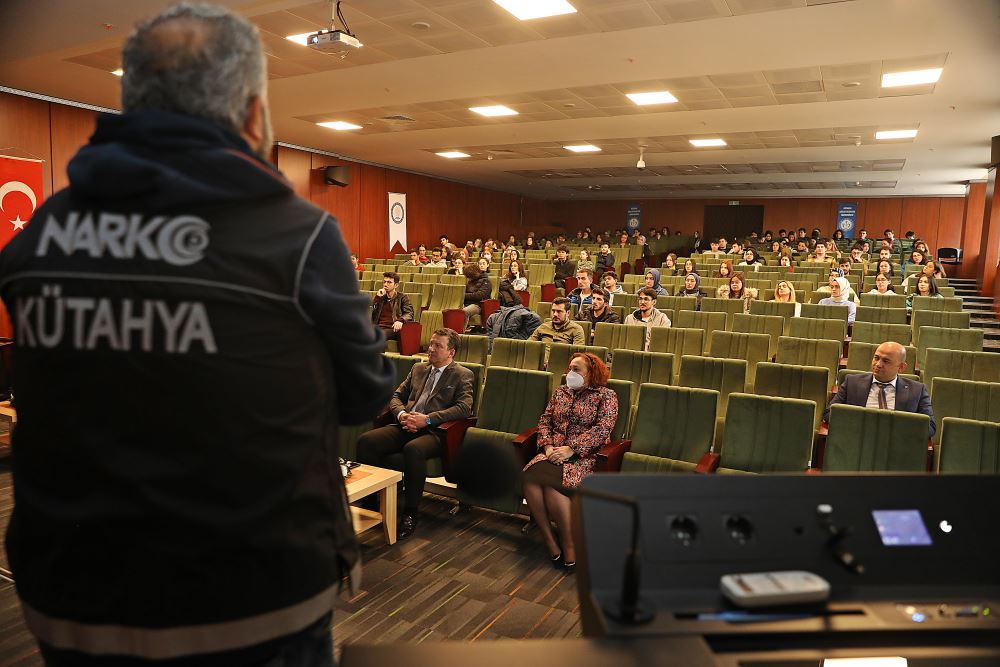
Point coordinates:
pixel 390 307
pixel 862 234
pixel 840 290
pixel 845 265
pixel 581 295
pixel 510 254
pixel 559 328
pixel 894 243
pixel 529 244
pixel 598 311
pixel 422 254
pixel 784 292
pixel 921 245
pixel 828 288
pixel 690 266
pixel 584 261
pixel 605 260
pixel 433 393
pixel 882 285
pixel 670 267
pixel 516 276
pixel 477 289
pixel 736 289
pixel 910 235
pixel 547 245
pixel 715 248
pixel 838 235
pixel 858 256
pixel 884 267
pixel 484 264
pixel 725 269
pixel 414 259
pixel 735 248
pixel 457 266
pixel 563 267
pixel 723 244
pixel 916 258
pixel 820 256
pixel 651 280
pixel 437 259
pixel 611 286
pixel 930 268
pixel 751 259
pixel 926 286
pixel 775 246
pixel 513 320
pixel 576 423
pixel 786 261
pixel 357 267
pixel 447 246
pixel 641 242
pixel 623 240
pixel 802 248
pixel 696 241
pixel 883 388
pixel 692 287
pixel 646 314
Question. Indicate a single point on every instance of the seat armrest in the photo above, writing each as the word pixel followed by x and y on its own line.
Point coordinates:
pixel 454 319
pixel 409 338
pixel 385 418
pixel 527 444
pixel 610 455
pixel 453 433
pixel 708 464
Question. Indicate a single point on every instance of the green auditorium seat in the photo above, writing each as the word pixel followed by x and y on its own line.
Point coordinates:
pixel 630 302
pixel 859 356
pixel 707 322
pixel 402 364
pixel 810 383
pixel 523 354
pixel 732 345
pixel 979 366
pixel 512 402
pixel 952 305
pixel 879 332
pixel 767 434
pixel 678 342
pixel 829 312
pixel 620 336
pixel 472 349
pixel 642 367
pixel 417 301
pixel 430 321
pixel 969 340
pixel 559 356
pixel 812 327
pixel 810 352
pixel 728 306
pixel 725 376
pixel 544 310
pixel 881 315
pixel 676 303
pixel 586 326
pixel 872 440
pixel 966 399
pixel 453 280
pixel 623 390
pixel 968 447
pixel 772 325
pixel 479 375
pixel 938 318
pixel 673 429
pixel 347 439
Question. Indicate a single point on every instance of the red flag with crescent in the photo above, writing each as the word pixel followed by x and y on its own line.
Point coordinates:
pixel 21 193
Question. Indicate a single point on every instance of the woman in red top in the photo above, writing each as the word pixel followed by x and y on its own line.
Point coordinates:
pixel 576 423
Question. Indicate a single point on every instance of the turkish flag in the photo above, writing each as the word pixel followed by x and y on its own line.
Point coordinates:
pixel 21 193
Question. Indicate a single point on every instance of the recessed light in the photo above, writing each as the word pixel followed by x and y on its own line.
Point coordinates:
pixel 421 25
pixel 916 77
pixel 851 84
pixel 340 125
pixel 536 9
pixel 495 110
pixel 300 38
pixel 657 97
pixel 118 72
pixel 583 148
pixel 452 154
pixel 705 143
pixel 895 134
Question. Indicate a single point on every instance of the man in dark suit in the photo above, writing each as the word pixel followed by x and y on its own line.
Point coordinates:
pixel 433 393
pixel 883 388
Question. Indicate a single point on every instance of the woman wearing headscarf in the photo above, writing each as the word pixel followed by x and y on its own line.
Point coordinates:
pixel 839 288
pixel 737 289
pixel 850 293
pixel 652 280
pixel 692 287
pixel 751 259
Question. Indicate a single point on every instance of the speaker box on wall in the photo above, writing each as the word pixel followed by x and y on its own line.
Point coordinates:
pixel 337 176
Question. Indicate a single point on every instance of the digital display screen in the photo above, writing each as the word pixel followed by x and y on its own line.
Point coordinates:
pixel 901 528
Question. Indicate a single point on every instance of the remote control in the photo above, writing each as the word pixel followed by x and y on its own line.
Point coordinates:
pixel 766 589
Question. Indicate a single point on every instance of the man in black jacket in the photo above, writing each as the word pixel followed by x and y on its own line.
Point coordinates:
pixel 390 307
pixel 598 311
pixel 605 261
pixel 190 335
pixel 563 267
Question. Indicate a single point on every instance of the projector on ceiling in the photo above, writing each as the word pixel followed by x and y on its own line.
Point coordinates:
pixel 333 41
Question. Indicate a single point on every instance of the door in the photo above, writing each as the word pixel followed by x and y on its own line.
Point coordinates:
pixel 733 222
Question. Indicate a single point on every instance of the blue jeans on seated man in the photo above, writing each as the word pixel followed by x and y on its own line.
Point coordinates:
pixel 312 647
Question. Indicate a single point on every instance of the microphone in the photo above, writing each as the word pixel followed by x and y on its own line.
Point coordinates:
pixel 490 471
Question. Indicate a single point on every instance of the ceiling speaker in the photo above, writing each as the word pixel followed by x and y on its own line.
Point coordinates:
pixel 337 176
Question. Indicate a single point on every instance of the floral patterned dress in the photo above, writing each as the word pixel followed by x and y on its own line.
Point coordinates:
pixel 581 419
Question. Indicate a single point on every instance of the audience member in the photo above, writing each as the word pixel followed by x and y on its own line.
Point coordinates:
pixel 647 315
pixel 414 259
pixel 477 290
pixel 690 266
pixel 598 311
pixel 605 260
pixel 611 286
pixel 784 292
pixel 828 288
pixel 576 423
pixel 446 246
pixel 484 263
pixel 651 280
pixel 926 286
pixel 725 269
pixel 840 290
pixel 882 285
pixel 786 261
pixel 360 268
pixel 584 261
pixel 884 267
pixel 564 267
pixel 692 288
pixel 581 295
pixel 559 329
pixel 736 289
pixel 437 259
pixel 390 308
pixel 517 277
pixel 433 393
pixel 883 388
pixel 670 267
pixel 457 266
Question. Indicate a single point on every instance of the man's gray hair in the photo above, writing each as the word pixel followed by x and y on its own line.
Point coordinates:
pixel 197 60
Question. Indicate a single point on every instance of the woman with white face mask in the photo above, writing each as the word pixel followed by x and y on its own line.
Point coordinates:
pixel 577 422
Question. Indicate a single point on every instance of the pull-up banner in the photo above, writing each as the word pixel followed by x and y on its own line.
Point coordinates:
pixel 397 220
pixel 847 217
pixel 21 193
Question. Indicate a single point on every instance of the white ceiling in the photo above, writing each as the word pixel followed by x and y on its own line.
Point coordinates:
pixel 768 75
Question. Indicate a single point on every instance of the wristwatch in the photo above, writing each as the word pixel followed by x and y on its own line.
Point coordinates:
pixel 428 421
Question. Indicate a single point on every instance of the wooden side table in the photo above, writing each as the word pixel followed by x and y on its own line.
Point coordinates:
pixel 366 480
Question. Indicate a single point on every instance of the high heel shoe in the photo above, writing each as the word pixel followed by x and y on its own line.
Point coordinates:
pixel 569 568
pixel 557 561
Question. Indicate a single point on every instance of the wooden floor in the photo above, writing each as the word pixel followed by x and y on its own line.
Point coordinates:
pixel 471 577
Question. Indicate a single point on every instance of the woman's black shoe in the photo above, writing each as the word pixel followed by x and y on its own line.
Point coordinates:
pixel 570 568
pixel 557 561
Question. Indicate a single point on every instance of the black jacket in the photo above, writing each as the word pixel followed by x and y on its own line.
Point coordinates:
pixel 477 290
pixel 402 308
pixel 190 335
pixel 604 262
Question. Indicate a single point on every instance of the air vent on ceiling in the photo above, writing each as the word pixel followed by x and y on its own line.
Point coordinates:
pixel 399 118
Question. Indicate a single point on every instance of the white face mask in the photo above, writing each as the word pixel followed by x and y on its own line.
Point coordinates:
pixel 574 380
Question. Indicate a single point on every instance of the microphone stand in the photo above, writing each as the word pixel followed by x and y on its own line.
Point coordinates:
pixel 630 609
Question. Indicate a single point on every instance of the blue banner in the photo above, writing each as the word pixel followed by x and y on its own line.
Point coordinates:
pixel 847 217
pixel 633 217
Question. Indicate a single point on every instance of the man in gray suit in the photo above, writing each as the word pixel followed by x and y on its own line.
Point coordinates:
pixel 433 393
pixel 883 388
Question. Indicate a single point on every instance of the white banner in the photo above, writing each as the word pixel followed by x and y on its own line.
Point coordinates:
pixel 397 220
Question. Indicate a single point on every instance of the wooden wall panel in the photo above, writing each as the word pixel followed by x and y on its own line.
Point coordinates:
pixel 989 245
pixel 71 130
pixel 24 132
pixel 950 222
pixel 295 165
pixel 972 228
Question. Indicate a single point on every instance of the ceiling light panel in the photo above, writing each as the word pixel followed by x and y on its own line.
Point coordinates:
pixel 914 78
pixel 583 148
pixel 658 97
pixel 452 154
pixel 339 125
pixel 494 111
pixel 706 143
pixel 536 9
pixel 882 135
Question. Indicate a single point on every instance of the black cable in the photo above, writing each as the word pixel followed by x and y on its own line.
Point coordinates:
pixel 343 21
